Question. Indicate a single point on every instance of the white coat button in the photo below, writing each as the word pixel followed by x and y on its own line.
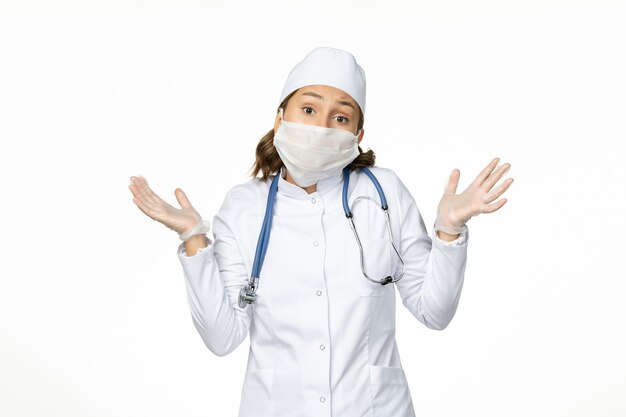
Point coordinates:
pixel 322 399
pixel 322 347
pixel 316 243
pixel 313 200
pixel 318 292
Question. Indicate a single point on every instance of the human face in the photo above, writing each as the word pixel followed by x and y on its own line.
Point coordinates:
pixel 322 105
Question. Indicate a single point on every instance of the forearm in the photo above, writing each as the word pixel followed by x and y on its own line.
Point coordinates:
pixel 211 296
pixel 443 284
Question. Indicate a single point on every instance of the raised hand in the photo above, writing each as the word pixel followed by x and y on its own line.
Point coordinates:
pixel 179 220
pixel 454 210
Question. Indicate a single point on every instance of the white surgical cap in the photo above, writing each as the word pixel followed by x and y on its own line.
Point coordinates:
pixel 328 66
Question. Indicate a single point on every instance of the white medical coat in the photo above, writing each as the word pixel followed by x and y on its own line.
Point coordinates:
pixel 322 337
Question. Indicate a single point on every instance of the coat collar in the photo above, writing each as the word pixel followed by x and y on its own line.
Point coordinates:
pixel 295 191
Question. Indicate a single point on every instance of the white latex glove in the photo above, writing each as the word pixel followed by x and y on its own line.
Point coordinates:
pixel 185 221
pixel 455 210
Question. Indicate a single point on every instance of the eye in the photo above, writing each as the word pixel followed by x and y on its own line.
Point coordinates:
pixel 343 119
pixel 308 108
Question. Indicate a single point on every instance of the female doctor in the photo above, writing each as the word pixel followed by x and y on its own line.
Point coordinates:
pixel 303 255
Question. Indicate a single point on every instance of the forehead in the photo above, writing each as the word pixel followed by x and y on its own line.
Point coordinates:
pixel 325 91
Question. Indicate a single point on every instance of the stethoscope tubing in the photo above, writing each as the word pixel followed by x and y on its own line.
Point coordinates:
pixel 263 241
pixel 385 209
pixel 346 183
pixel 247 295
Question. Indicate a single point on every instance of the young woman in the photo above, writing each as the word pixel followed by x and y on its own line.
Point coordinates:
pixel 303 255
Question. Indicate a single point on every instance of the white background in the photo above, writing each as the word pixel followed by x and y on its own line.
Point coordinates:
pixel 93 312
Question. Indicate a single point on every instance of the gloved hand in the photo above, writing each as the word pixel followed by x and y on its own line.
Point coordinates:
pixel 185 221
pixel 454 210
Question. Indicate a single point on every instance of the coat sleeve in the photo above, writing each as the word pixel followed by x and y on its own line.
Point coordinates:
pixel 213 278
pixel 431 286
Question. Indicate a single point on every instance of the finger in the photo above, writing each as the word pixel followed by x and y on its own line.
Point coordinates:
pixel 135 191
pixel 495 176
pixel 138 179
pixel 133 183
pixel 182 198
pixel 146 202
pixel 485 173
pixel 143 195
pixel 490 208
pixel 156 200
pixel 145 208
pixel 489 197
pixel 148 196
pixel 453 181
pixel 139 183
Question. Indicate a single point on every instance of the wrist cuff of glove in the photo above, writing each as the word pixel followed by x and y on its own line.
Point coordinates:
pixel 451 230
pixel 202 227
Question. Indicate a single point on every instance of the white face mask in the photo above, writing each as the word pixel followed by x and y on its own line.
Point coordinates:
pixel 311 153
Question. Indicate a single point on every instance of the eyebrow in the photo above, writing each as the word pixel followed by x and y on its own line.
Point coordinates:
pixel 312 94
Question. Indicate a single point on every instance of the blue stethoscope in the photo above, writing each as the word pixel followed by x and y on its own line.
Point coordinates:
pixel 248 295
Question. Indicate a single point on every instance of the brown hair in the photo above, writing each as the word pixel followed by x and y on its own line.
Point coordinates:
pixel 268 161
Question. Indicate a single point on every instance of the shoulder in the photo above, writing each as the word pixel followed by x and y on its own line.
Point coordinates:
pixel 387 178
pixel 247 193
pixel 383 172
pixel 391 183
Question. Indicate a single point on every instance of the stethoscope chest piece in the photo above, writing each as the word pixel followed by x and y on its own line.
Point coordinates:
pixel 247 294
